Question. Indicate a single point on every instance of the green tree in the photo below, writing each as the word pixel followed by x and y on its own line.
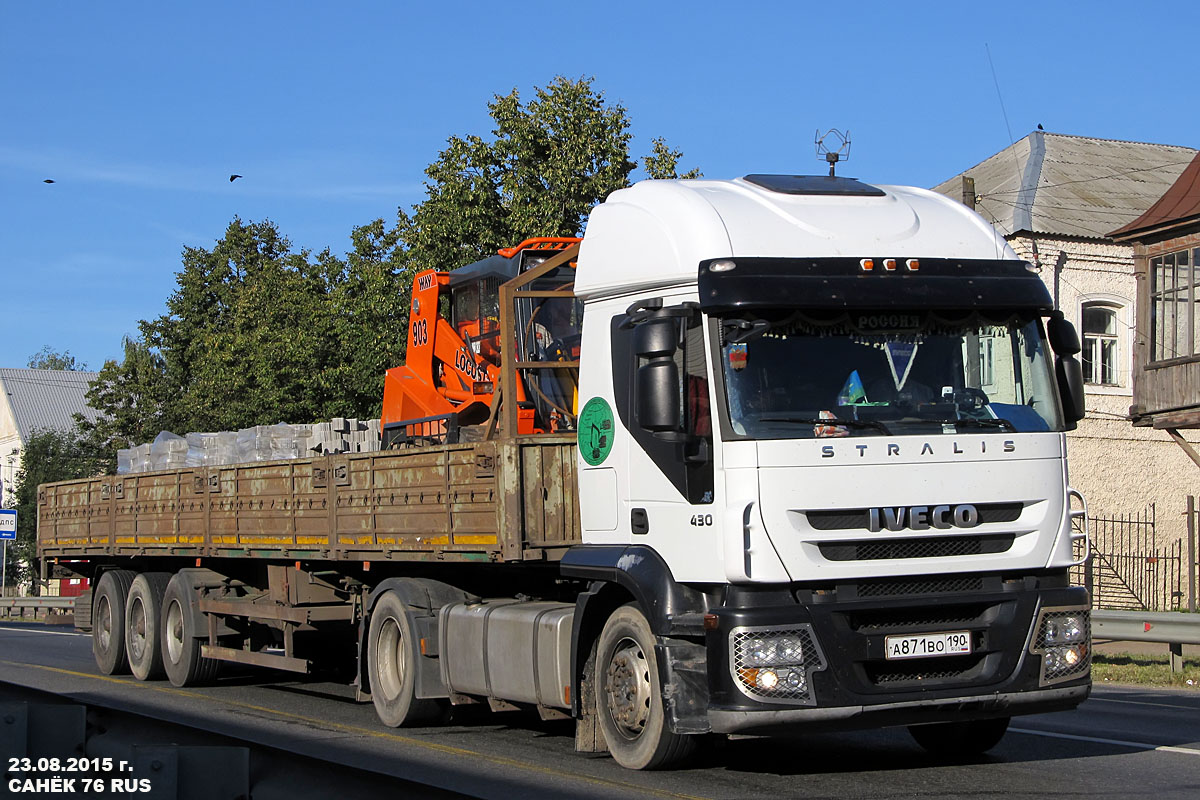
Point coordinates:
pixel 663 162
pixel 549 161
pixel 257 333
pixel 133 397
pixel 49 456
pixel 51 359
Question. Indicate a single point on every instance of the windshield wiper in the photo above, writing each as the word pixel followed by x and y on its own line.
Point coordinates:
pixel 831 422
pixel 974 422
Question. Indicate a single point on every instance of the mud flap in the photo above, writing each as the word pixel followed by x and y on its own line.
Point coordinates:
pixel 683 670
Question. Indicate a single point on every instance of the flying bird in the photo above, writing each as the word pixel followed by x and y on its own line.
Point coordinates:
pixel 47 180
pixel 233 178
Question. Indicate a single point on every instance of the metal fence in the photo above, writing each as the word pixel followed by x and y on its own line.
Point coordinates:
pixel 1131 569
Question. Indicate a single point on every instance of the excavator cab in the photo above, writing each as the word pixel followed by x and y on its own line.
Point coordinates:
pixel 456 353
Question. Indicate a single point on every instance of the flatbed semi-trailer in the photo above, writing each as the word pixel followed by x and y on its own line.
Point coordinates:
pixel 756 454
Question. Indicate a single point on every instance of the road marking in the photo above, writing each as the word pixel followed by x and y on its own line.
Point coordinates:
pixel 337 726
pixel 35 630
pixel 1143 703
pixel 1119 742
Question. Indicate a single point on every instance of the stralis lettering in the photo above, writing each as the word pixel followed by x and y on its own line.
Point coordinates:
pixel 922 518
pixel 954 447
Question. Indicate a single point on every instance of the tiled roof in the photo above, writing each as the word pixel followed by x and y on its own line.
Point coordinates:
pixel 46 398
pixel 1070 185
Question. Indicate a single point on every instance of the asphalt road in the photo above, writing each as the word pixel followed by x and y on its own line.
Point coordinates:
pixel 1123 742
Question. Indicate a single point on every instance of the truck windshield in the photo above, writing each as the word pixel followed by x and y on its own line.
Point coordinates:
pixel 801 376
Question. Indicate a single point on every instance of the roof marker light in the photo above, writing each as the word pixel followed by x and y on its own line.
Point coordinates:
pixel 913 264
pixel 724 265
pixel 867 264
pixel 889 264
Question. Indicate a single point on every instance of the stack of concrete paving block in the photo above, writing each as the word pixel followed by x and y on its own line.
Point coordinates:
pixel 344 435
pixel 169 451
pixel 212 449
pixel 260 443
pixel 133 459
pixel 271 442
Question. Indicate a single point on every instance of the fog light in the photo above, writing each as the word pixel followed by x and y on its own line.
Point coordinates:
pixel 794 679
pixel 767 679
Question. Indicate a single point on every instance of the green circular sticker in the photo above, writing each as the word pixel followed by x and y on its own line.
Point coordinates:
pixel 595 431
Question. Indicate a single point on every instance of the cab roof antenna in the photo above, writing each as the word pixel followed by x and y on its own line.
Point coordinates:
pixel 842 153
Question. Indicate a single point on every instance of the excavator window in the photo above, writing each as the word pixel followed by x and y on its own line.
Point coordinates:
pixel 476 316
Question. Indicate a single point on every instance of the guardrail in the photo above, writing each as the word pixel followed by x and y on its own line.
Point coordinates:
pixel 18 606
pixel 1172 628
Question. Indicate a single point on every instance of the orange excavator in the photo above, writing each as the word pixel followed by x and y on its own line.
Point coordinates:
pixel 452 377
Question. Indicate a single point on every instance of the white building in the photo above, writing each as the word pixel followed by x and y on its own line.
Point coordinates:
pixel 33 400
pixel 1056 198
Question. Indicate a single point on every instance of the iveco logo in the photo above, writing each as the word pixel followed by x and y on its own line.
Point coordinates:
pixel 922 518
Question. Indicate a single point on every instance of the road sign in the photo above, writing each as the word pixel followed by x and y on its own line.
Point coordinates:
pixel 8 523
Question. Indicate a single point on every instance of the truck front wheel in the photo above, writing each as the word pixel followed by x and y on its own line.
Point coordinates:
pixel 960 739
pixel 108 620
pixel 629 696
pixel 392 668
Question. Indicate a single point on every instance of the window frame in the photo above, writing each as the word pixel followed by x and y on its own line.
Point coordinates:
pixel 1121 308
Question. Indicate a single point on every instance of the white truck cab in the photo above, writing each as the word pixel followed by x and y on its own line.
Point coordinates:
pixel 822 444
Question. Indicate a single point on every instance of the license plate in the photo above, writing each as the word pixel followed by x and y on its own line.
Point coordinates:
pixel 954 643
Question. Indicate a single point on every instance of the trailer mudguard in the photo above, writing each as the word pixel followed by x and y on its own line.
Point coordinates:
pixel 423 598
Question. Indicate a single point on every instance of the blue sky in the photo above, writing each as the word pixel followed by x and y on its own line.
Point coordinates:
pixel 331 111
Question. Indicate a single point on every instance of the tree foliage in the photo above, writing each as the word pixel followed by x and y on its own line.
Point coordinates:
pixel 52 359
pixel 49 456
pixel 258 333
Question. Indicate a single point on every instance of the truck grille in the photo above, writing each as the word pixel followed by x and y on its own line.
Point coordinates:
pixel 901 588
pixel 922 670
pixel 916 618
pixel 855 518
pixel 933 546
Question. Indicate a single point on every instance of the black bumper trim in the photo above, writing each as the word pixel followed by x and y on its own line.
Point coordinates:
pixel 909 712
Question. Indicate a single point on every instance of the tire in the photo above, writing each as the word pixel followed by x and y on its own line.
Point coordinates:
pixel 180 648
pixel 960 739
pixel 391 667
pixel 629 696
pixel 143 641
pixel 108 621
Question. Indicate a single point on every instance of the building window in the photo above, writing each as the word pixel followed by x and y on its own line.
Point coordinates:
pixel 987 355
pixel 1101 363
pixel 1173 297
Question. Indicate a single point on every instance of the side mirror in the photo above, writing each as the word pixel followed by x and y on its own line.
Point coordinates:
pixel 656 338
pixel 1062 335
pixel 658 395
pixel 1069 372
pixel 657 387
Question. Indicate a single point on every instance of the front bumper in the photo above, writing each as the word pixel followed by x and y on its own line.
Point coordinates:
pixel 910 712
pixel 848 681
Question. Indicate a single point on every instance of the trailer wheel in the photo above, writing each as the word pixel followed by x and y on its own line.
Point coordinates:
pixel 391 667
pixel 143 607
pixel 960 739
pixel 108 621
pixel 180 648
pixel 629 696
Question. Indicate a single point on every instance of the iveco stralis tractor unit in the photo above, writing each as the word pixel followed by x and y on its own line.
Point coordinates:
pixel 788 452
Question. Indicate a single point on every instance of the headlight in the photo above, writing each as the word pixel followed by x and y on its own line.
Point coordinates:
pixel 1063 640
pixel 1065 629
pixel 766 651
pixel 773 663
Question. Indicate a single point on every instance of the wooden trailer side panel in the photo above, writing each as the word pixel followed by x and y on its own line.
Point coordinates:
pixel 492 501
